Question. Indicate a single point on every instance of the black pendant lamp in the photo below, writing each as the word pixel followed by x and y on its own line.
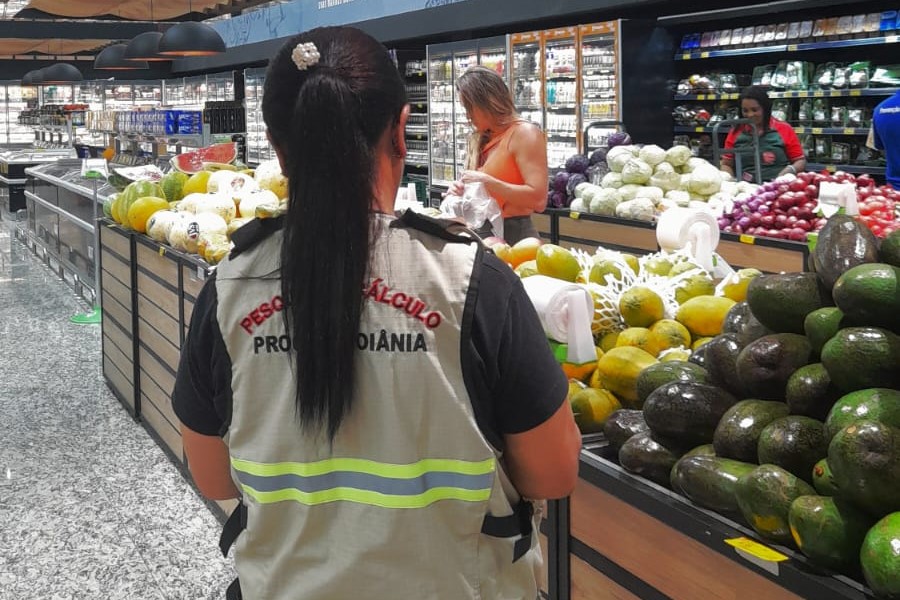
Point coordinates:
pixel 34 77
pixel 61 73
pixel 112 58
pixel 191 38
pixel 145 46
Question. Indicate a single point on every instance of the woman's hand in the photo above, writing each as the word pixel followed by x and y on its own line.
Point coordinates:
pixel 476 177
pixel 457 188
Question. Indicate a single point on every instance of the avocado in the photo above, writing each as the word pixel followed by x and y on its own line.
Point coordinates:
pixel 623 424
pixel 686 412
pixel 737 434
pixel 821 325
pixel 842 244
pixel 875 404
pixel 765 365
pixel 823 480
pixel 740 320
pixel 870 295
pixel 880 557
pixel 721 361
pixel 698 356
pixel 810 392
pixel 890 249
pixel 863 357
pixel 704 450
pixel 793 443
pixel 782 301
pixel 661 373
pixel 709 481
pixel 865 461
pixel 764 496
pixel 829 531
pixel 644 456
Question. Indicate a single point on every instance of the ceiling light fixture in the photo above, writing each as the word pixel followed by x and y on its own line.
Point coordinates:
pixel 61 73
pixel 145 46
pixel 112 58
pixel 191 38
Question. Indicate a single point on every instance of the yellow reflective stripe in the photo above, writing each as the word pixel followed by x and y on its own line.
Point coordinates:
pixel 367 497
pixel 359 465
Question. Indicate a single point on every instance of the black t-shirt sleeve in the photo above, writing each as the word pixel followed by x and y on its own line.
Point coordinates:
pixel 525 383
pixel 202 394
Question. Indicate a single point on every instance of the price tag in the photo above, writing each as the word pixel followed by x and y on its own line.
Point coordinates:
pixel 747 239
pixel 819 94
pixel 849 131
pixel 702 97
pixel 856 92
pixel 575 215
pixel 699 129
pixel 830 168
pixel 817 131
pixel 201 273
pixel 704 55
pixel 55 230
pixel 162 251
pixel 686 56
pixel 834 93
pixel 90 251
pixel 792 48
pixel 891 39
pixel 756 549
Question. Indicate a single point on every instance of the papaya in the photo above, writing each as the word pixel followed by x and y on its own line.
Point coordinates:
pixel 857 358
pixel 842 244
pixel 644 456
pixel 829 531
pixel 764 496
pixel 865 461
pixel 869 294
pixel 619 369
pixel 880 558
pixel 704 315
pixel 709 481
pixel 686 412
pixel 810 392
pixel 592 407
pixel 765 365
pixel 782 301
pixel 737 433
pixel 623 424
pixel 874 404
pixel 793 443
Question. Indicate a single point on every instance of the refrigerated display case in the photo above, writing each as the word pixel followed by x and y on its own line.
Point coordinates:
pixel 449 127
pixel 526 81
pixel 17 98
pixel 561 94
pixel 600 90
pixel 258 147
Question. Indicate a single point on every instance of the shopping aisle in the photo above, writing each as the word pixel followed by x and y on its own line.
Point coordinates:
pixel 90 506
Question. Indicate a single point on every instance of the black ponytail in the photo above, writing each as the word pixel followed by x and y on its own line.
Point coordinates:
pixel 326 122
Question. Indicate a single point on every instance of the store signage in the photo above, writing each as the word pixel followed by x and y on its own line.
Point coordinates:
pixel 287 19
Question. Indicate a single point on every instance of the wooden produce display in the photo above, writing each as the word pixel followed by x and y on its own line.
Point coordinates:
pixel 117 299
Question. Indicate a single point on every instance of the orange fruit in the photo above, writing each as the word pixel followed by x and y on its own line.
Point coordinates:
pixel 142 209
pixel 524 250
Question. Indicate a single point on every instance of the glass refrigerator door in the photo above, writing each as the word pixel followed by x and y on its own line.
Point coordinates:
pixel 462 60
pixel 561 95
pixel 599 82
pixel 440 117
pixel 258 148
pixel 526 82
pixel 19 98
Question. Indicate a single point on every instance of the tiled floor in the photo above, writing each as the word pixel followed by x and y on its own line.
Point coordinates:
pixel 90 507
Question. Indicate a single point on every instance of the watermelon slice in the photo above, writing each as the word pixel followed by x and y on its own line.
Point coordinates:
pixel 192 162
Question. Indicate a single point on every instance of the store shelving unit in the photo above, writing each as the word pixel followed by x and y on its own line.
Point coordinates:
pixel 794 47
pixel 526 79
pixel 415 74
pixel 258 147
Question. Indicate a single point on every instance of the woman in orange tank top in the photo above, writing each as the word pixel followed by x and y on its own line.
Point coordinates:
pixel 506 153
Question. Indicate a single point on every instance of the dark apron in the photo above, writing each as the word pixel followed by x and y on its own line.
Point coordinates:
pixel 772 154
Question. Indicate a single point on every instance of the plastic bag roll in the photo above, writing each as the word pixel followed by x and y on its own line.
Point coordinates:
pixel 679 227
pixel 566 311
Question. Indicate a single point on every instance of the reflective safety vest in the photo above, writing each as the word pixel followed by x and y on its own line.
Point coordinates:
pixel 411 500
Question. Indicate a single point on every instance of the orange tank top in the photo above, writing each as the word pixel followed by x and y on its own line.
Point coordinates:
pixel 497 161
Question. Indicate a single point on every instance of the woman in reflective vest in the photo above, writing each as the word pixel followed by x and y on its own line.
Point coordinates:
pixel 376 389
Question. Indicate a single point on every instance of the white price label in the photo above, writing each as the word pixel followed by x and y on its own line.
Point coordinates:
pixel 201 273
pixel 90 253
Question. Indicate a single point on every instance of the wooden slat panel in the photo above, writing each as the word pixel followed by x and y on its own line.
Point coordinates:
pixel 156 421
pixel 764 258
pixel 165 323
pixel 117 357
pixel 164 268
pixel 156 342
pixel 192 285
pixel 590 584
pixel 673 563
pixel 115 310
pixel 541 222
pixel 115 269
pixel 115 241
pixel 614 234
pixel 156 395
pixel 117 336
pixel 544 576
pixel 188 312
pixel 118 381
pixel 159 295
pixel 160 376
pixel 117 290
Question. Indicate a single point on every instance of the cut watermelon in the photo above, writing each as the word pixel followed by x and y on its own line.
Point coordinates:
pixel 192 162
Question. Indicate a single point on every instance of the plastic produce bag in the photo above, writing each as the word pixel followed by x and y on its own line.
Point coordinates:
pixel 476 207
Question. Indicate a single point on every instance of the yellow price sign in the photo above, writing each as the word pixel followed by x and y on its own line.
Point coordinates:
pixel 856 92
pixel 849 131
pixel 575 215
pixel 162 251
pixel 819 94
pixel 686 56
pixel 830 168
pixel 747 239
pixel 701 96
pixel 792 47
pixel 817 131
pixel 834 93
pixel 704 55
pixel 756 549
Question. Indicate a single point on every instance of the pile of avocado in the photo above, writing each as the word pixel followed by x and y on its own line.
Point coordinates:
pixel 790 419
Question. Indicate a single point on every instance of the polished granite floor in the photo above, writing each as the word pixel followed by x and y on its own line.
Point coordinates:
pixel 90 507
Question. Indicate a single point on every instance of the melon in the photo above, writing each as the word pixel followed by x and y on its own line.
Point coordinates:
pixel 172 185
pixel 231 183
pixel 161 222
pixel 192 162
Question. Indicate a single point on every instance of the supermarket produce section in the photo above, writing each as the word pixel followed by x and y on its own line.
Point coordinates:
pixel 739 398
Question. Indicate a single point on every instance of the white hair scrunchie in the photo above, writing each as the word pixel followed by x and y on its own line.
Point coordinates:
pixel 305 55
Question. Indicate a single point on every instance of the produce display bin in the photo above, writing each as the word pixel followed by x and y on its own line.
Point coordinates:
pixel 630 538
pixel 117 289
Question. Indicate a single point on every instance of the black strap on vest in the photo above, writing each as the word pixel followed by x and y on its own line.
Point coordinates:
pixel 235 524
pixel 234 591
pixel 514 525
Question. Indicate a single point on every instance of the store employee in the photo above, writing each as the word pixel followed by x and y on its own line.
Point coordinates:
pixel 886 136
pixel 780 151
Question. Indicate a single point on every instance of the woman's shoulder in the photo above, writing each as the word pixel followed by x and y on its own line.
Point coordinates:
pixel 525 132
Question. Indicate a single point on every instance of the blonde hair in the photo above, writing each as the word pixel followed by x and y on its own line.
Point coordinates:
pixel 483 88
